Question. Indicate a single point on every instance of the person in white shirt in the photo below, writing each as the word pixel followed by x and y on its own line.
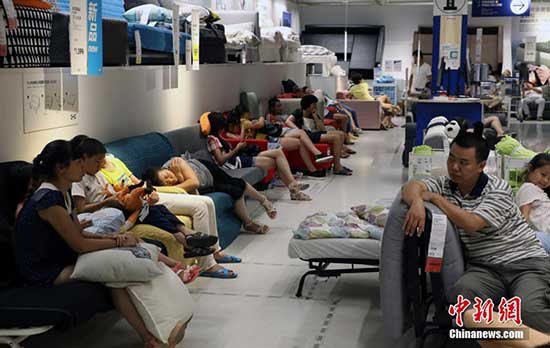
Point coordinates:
pixel 532 96
pixel 532 197
pixel 419 76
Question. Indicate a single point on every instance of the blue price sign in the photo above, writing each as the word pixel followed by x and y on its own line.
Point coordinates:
pixel 501 8
pixel 95 35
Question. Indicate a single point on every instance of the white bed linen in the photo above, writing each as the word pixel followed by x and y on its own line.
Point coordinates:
pixel 336 248
pixel 328 61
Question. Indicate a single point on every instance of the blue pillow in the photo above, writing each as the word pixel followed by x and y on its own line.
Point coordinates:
pixel 145 14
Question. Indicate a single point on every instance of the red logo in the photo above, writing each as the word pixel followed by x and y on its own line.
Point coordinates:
pixel 484 310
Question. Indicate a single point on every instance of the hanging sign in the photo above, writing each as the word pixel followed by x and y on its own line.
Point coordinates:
pixel 195 32
pixel 501 8
pixel 479 40
pixel 450 7
pixel 176 34
pixel 530 55
pixel 86 35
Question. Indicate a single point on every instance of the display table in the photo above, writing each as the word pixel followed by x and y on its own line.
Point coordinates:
pixel 469 109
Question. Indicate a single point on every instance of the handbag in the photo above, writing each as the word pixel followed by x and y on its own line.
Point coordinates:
pixel 272 130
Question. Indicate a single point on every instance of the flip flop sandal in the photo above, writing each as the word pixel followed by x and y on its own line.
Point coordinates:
pixel 269 208
pixel 229 259
pixel 190 252
pixel 223 273
pixel 200 240
pixel 256 228
pixel 189 274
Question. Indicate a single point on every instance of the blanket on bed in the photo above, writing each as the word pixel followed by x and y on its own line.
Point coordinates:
pixel 361 222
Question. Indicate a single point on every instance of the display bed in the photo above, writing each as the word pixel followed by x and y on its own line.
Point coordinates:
pixel 320 253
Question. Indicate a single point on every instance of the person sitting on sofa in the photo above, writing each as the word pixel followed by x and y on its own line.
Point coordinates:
pixel 48 237
pixel 196 175
pixel 533 96
pixel 200 208
pixel 344 115
pixel 230 158
pixel 360 90
pixel 289 139
pixel 297 120
pixel 502 253
pixel 89 196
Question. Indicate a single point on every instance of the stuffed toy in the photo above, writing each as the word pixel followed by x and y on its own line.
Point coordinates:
pixel 132 199
pixel 436 135
pixel 452 129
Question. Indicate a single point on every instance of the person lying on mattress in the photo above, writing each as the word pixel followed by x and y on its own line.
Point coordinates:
pixel 503 255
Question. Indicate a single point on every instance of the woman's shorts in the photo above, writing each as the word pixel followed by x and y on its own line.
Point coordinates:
pixel 247 161
pixel 315 136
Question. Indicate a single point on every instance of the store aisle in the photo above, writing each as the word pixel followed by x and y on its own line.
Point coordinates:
pixel 259 308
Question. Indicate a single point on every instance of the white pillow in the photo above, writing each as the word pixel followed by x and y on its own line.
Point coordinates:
pixel 136 264
pixel 240 27
pixel 162 303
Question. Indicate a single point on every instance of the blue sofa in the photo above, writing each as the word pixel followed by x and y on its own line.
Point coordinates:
pixel 154 149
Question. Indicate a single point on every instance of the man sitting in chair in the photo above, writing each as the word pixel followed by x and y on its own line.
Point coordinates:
pixel 503 256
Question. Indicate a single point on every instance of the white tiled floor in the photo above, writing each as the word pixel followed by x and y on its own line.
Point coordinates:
pixel 259 308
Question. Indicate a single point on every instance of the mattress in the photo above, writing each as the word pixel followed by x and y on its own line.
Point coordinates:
pixel 334 248
pixel 270 50
pixel 115 41
pixel 327 61
pixel 155 39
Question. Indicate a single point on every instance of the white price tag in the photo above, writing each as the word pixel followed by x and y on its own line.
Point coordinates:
pixel 10 13
pixel 195 38
pixel 78 33
pixel 176 33
pixel 3 38
pixel 437 243
pixel 137 37
pixel 188 53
